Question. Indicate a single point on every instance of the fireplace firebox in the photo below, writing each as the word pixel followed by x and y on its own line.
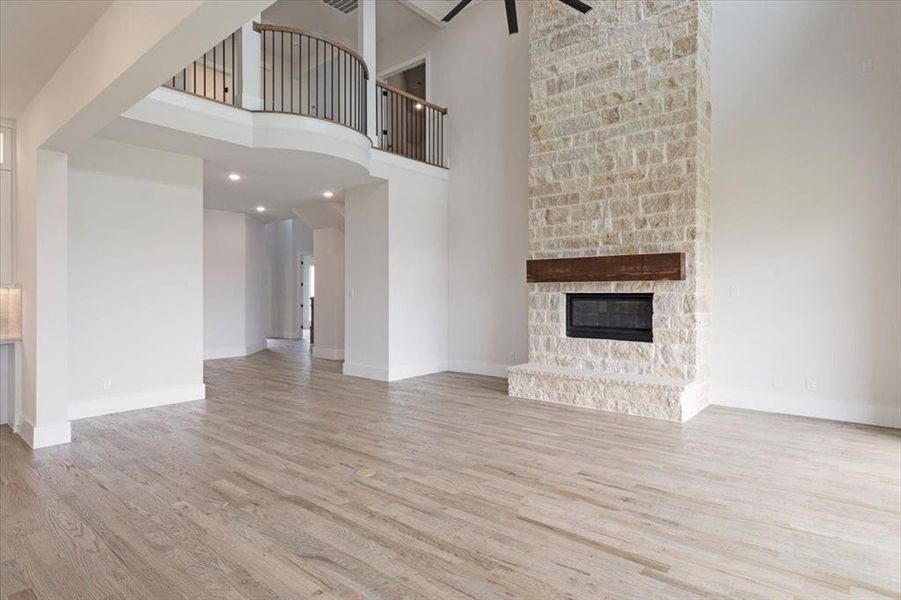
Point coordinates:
pixel 610 316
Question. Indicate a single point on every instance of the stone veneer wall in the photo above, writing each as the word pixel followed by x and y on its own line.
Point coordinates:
pixel 619 164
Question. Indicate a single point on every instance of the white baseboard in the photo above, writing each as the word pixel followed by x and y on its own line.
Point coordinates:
pixel 365 371
pixel 398 372
pixel 478 368
pixel 328 353
pixel 116 404
pixel 850 410
pixel 233 351
pixel 394 373
pixel 285 335
pixel 217 353
pixel 44 435
pixel 254 348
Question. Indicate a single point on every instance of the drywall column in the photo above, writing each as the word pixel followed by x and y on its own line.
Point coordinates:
pixel 42 263
pixel 366 45
pixel 366 282
pixel 251 66
pixel 257 294
pixel 397 273
pixel 328 318
pixel 224 283
pixel 133 47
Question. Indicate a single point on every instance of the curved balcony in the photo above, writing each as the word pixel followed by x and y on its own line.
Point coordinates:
pixel 302 73
pixel 305 74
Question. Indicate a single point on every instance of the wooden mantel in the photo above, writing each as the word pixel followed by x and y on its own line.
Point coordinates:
pixel 625 267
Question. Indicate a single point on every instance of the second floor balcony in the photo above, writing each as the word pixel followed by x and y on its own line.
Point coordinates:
pixel 281 69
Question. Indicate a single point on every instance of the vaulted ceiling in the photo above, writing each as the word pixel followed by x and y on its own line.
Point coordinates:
pixel 35 39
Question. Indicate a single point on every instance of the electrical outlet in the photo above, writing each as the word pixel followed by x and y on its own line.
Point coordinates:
pixel 733 291
pixel 810 385
pixel 107 383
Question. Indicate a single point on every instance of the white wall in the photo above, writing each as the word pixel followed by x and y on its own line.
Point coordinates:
pixel 235 294
pixel 487 143
pixel 418 265
pixel 306 274
pixel 257 290
pixel 806 195
pixel 7 382
pixel 131 49
pixel 396 272
pixel 366 281
pixel 328 319
pixel 135 278
pixel 223 284
pixel 286 241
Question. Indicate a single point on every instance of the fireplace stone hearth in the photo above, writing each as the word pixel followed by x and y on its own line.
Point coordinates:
pixel 619 166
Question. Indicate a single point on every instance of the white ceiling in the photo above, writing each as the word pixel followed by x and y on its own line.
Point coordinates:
pixel 280 180
pixel 35 38
pixel 392 18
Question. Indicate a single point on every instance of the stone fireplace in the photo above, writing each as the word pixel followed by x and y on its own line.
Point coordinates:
pixel 619 167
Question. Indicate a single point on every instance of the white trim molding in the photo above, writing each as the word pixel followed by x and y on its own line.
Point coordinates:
pixel 394 373
pixel 382 158
pixel 254 348
pixel 217 353
pixel 425 58
pixel 365 371
pixel 852 410
pixel 328 353
pixel 126 402
pixel 398 372
pixel 44 435
pixel 234 351
pixel 478 368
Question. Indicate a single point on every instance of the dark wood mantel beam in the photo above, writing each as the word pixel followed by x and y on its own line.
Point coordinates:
pixel 625 267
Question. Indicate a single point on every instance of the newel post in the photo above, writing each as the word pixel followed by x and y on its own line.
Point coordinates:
pixel 251 67
pixel 366 41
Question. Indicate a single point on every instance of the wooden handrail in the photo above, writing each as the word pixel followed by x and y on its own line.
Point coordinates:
pixel 261 27
pixel 400 92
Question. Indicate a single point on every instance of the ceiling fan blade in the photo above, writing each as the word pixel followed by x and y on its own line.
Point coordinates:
pixel 578 5
pixel 512 25
pixel 453 13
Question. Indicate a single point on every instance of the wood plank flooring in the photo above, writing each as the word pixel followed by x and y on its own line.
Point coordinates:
pixel 293 481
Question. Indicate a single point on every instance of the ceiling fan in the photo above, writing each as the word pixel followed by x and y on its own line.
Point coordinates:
pixel 512 24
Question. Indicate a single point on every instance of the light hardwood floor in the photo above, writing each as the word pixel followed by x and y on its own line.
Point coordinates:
pixel 292 481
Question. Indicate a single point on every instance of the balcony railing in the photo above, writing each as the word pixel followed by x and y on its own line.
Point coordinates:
pixel 215 75
pixel 305 74
pixel 409 126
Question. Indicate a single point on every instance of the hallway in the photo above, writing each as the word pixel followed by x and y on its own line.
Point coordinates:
pixel 294 481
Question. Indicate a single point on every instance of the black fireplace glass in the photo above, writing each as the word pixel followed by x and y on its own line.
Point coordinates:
pixel 610 316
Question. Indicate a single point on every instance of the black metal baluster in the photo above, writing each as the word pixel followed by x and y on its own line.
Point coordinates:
pixel 272 44
pixel 316 103
pixel 263 67
pixel 234 85
pixel 309 75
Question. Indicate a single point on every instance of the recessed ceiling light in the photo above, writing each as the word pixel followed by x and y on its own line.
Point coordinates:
pixel 234 176
pixel 418 106
pixel 328 194
pixel 261 209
